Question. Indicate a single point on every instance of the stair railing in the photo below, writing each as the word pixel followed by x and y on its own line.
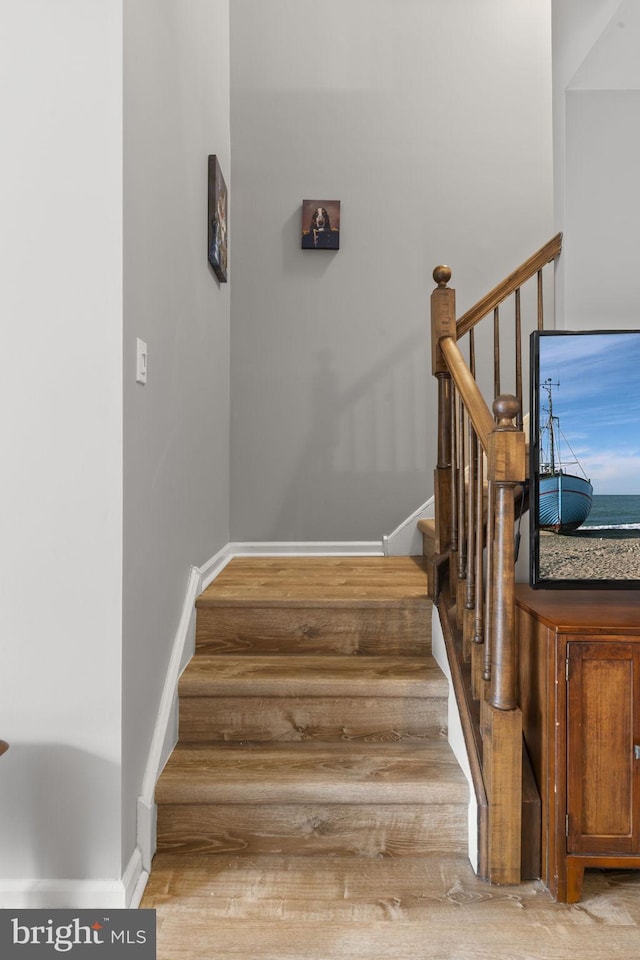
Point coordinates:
pixel 479 479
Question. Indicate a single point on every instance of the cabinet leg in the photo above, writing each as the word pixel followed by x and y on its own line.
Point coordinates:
pixel 575 876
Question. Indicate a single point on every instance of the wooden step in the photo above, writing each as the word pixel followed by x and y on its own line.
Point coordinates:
pixel 313 717
pixel 372 719
pixel 370 605
pixel 369 629
pixel 285 676
pixel 311 773
pixel 323 580
pixel 279 697
pixel 312 829
pixel 347 799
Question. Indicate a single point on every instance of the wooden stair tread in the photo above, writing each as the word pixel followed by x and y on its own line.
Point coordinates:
pixel 319 675
pixel 385 888
pixel 312 717
pixel 312 772
pixel 325 581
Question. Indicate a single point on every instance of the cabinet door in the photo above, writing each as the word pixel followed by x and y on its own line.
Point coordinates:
pixel 603 776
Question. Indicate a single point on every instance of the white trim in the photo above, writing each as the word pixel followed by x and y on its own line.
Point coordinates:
pixel 169 690
pixel 349 548
pixel 134 880
pixel 62 894
pixel 210 570
pixel 78 894
pixel 455 735
pixel 147 817
pixel 406 540
pixel 165 733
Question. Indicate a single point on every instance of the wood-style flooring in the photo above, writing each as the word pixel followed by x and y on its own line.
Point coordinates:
pixel 313 809
pixel 422 908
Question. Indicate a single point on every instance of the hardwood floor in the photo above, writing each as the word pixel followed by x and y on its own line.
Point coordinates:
pixel 409 908
pixel 313 809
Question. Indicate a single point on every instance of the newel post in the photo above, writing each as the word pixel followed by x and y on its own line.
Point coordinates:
pixel 506 465
pixel 502 760
pixel 443 324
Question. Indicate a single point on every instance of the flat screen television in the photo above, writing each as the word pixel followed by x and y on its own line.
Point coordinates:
pixel 584 490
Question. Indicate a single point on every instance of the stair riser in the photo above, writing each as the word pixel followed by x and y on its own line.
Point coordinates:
pixel 311 718
pixel 340 630
pixel 305 830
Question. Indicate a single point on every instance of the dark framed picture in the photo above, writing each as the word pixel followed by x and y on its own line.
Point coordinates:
pixel 217 215
pixel 320 224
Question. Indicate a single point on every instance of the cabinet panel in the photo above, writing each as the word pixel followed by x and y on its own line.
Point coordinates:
pixel 602 799
pixel 579 662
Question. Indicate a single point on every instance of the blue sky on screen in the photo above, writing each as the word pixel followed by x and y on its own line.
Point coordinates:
pixel 598 403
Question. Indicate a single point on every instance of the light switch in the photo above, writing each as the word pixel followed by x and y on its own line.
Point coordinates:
pixel 141 361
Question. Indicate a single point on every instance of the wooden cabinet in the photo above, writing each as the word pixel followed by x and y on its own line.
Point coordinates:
pixel 579 690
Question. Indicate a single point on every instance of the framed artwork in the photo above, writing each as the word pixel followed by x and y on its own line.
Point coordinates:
pixel 217 218
pixel 584 470
pixel 320 224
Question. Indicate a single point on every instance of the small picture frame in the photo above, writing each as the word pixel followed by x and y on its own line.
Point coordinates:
pixel 217 219
pixel 320 224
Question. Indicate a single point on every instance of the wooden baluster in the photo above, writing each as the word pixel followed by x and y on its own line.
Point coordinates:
pixel 518 360
pixel 462 522
pixel 496 352
pixel 477 622
pixel 478 625
pixel 455 433
pixel 488 620
pixel 540 302
pixel 472 521
pixel 472 537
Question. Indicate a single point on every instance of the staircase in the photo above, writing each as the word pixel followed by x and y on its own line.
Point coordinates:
pixel 313 717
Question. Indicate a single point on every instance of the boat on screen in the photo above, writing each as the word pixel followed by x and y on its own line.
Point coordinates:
pixel 564 495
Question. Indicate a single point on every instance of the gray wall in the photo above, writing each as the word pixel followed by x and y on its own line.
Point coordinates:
pixel 96 552
pixel 61 503
pixel 431 122
pixel 597 157
pixel 176 428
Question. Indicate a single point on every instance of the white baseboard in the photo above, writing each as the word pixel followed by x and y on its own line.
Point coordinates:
pixel 77 894
pixel 278 548
pixel 210 570
pixel 58 894
pixel 134 880
pixel 406 540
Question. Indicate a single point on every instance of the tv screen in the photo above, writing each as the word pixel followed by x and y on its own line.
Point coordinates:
pixel 585 459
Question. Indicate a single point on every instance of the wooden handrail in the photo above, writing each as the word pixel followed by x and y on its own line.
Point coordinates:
pixel 472 568
pixel 4 746
pixel 550 251
pixel 483 421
